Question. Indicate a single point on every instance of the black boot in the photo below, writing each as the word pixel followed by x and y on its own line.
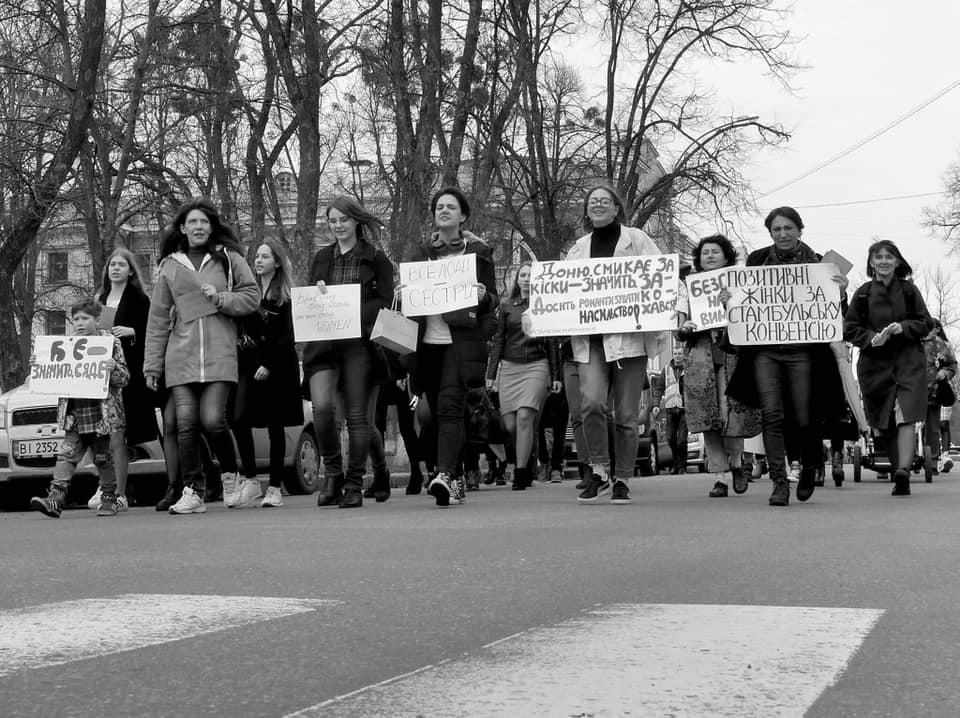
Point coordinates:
pixel 837 468
pixel 781 493
pixel 585 474
pixel 332 492
pixel 415 484
pixel 171 496
pixel 521 478
pixel 807 482
pixel 381 486
pixel 901 483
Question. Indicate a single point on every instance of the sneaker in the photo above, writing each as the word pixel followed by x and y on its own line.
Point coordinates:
pixel 247 495
pixel 793 475
pixel 718 491
pixel 273 497
pixel 621 493
pixel 108 505
pixel 123 504
pixel 52 505
pixel 94 503
pixel 231 485
pixel 439 489
pixel 458 488
pixel 597 486
pixel 189 503
pixel 947 465
pixel 473 480
pixel 556 476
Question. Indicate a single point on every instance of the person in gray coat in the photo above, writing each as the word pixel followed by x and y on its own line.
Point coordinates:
pixel 203 284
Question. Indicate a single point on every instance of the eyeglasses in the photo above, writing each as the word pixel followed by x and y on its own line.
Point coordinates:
pixel 600 202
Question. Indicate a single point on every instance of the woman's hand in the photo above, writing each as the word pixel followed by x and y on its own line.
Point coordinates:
pixel 724 295
pixel 842 281
pixel 120 332
pixel 322 286
pixel 210 292
pixel 881 337
pixel 688 326
pixel 556 387
pixel 152 381
pixel 261 374
pixel 943 374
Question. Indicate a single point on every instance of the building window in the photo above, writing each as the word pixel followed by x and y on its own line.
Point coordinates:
pixel 57 323
pixel 56 266
pixel 285 182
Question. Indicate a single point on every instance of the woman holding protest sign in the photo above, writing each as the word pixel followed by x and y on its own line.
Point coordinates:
pixel 526 369
pixel 888 320
pixel 205 278
pixel 777 377
pixel 611 367
pixel 709 362
pixel 451 353
pixel 348 369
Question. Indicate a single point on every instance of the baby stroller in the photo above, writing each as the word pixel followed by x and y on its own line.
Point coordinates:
pixel 871 452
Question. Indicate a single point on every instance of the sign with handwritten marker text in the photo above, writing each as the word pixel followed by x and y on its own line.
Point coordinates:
pixel 334 314
pixel 438 286
pixel 76 367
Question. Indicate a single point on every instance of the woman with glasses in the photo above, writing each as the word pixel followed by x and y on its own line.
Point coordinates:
pixel 612 368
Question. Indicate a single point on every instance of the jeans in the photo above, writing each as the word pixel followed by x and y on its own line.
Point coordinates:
pixel 571 387
pixel 202 406
pixel 676 426
pixel 350 377
pixel 783 378
pixel 554 417
pixel 392 395
pixel 621 381
pixel 71 452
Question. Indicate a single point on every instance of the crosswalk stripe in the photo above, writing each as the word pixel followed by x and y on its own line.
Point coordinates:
pixel 633 660
pixel 55 633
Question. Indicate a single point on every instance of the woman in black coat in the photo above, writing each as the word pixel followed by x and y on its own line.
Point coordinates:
pixel 268 389
pixel 888 320
pixel 121 293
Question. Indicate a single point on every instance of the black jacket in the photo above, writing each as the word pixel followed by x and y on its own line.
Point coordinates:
pixel 511 343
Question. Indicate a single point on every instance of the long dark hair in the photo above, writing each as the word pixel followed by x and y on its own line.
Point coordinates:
pixel 133 281
pixel 279 290
pixel 221 239
pixel 515 290
pixel 903 269
pixel 368 226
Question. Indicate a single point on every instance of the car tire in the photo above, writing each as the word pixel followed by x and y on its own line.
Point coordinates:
pixel 304 476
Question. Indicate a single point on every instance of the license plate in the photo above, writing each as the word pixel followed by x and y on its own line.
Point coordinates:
pixel 38 448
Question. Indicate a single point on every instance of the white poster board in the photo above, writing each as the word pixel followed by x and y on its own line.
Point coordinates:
pixel 703 293
pixel 334 314
pixel 784 304
pixel 603 296
pixel 438 286
pixel 74 366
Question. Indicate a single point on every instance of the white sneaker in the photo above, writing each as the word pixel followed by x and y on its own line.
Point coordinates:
pixel 122 503
pixel 248 494
pixel 231 485
pixel 94 503
pixel 439 489
pixel 189 503
pixel 794 473
pixel 273 497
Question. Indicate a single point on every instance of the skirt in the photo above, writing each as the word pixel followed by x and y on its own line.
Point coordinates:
pixel 523 385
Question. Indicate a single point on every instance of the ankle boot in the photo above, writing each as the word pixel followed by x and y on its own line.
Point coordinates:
pixel 781 493
pixel 415 483
pixel 585 474
pixel 174 490
pixel 521 478
pixel 381 486
pixel 332 492
pixel 837 461
pixel 901 483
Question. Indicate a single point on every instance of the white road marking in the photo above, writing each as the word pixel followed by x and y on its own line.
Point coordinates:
pixel 55 633
pixel 633 660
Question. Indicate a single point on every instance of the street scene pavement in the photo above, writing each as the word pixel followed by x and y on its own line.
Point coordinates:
pixel 515 604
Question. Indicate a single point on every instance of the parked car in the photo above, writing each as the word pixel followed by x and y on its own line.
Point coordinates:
pixel 30 439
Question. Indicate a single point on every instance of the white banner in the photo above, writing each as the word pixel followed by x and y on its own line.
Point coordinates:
pixel 73 366
pixel 331 315
pixel 784 304
pixel 603 296
pixel 703 292
pixel 438 286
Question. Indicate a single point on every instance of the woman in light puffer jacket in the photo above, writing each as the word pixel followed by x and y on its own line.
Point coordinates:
pixel 206 282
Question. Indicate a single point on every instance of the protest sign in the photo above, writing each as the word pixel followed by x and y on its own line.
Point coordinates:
pixel 603 296
pixel 438 286
pixel 334 314
pixel 75 367
pixel 843 264
pixel 703 292
pixel 784 304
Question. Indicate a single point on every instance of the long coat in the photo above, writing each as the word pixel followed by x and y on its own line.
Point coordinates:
pixel 896 370
pixel 138 400
pixel 276 399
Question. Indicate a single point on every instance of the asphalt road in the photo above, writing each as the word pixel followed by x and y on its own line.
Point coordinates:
pixel 405 585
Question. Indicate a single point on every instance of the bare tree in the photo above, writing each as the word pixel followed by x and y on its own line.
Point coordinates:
pixel 941 292
pixel 944 218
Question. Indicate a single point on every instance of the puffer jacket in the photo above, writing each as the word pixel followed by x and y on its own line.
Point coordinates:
pixel 202 349
pixel 632 242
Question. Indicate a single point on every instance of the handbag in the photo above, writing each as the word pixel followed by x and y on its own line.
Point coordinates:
pixel 394 331
pixel 945 394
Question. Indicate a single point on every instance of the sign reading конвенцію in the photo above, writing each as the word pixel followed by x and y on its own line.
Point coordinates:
pixel 319 316
pixel 74 367
pixel 610 295
pixel 438 286
pixel 784 304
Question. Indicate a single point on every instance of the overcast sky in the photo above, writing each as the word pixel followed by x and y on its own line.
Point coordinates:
pixel 869 63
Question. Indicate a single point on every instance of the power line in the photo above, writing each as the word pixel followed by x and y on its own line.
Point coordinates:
pixel 866 140
pixel 868 201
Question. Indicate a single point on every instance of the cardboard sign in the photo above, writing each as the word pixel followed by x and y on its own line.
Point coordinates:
pixel 438 286
pixel 784 304
pixel 703 293
pixel 842 263
pixel 74 367
pixel 611 295
pixel 107 317
pixel 334 314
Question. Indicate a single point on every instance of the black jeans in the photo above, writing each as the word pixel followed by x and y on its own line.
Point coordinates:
pixel 392 395
pixel 783 376
pixel 676 426
pixel 248 457
pixel 555 415
pixel 202 405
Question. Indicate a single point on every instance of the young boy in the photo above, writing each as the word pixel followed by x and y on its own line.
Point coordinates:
pixel 88 423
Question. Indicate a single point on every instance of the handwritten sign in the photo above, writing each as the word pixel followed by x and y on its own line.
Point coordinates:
pixel 75 367
pixel 334 314
pixel 603 296
pixel 703 291
pixel 784 304
pixel 438 286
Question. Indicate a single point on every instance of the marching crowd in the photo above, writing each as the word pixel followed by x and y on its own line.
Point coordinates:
pixel 214 344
